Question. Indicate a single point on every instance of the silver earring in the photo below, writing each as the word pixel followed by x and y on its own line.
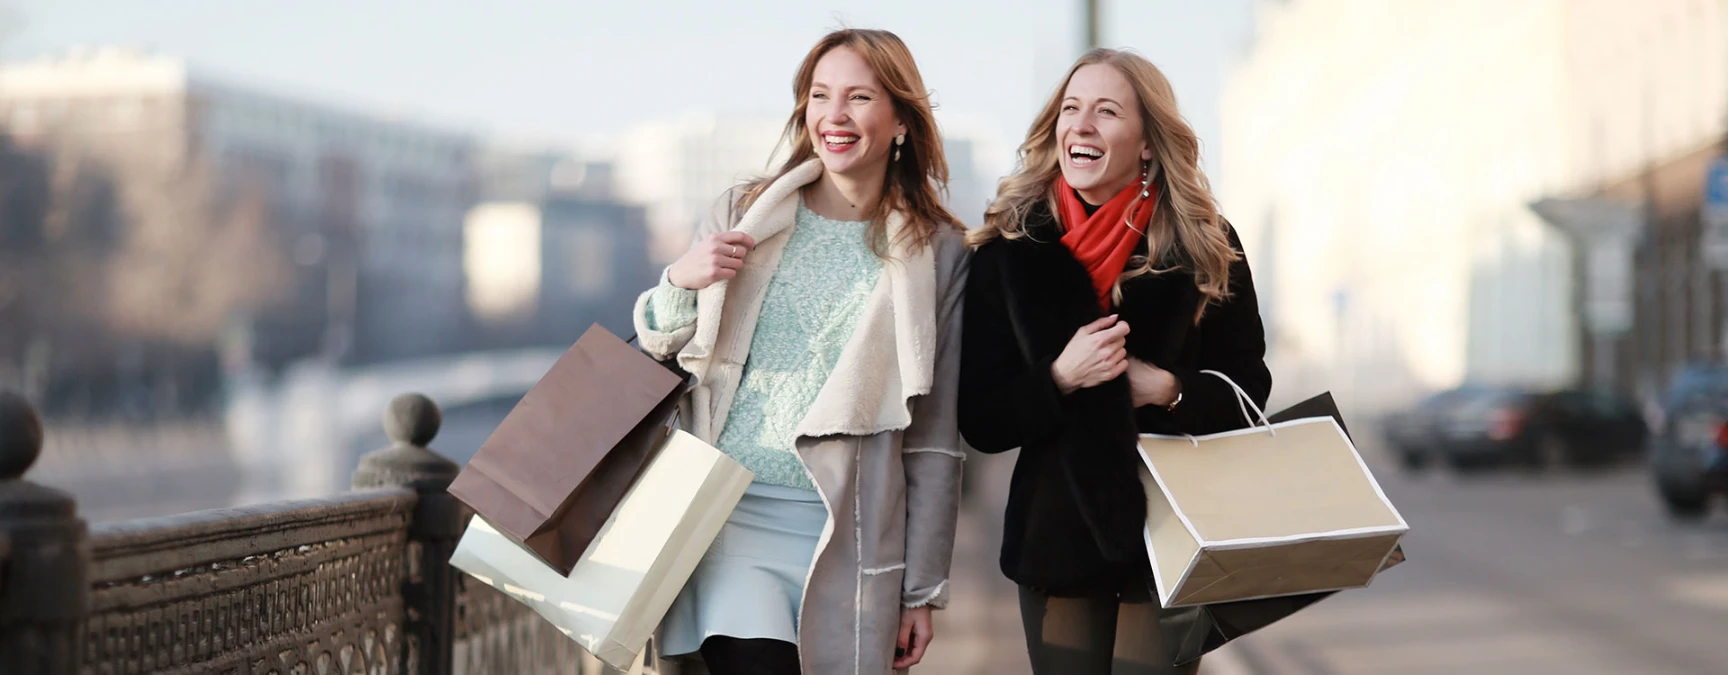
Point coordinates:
pixel 1146 182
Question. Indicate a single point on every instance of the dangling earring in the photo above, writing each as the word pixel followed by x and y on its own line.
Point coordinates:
pixel 898 141
pixel 1146 180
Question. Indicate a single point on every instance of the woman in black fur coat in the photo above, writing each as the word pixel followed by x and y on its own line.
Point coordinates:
pixel 1107 296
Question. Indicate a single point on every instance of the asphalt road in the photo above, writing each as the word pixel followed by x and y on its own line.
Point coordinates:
pixel 1563 572
pixel 1558 573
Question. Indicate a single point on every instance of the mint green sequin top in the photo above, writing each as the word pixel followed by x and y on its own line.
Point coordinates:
pixel 811 308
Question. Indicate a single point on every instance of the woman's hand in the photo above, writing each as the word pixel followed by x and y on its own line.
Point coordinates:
pixel 1151 385
pixel 713 259
pixel 916 630
pixel 1096 354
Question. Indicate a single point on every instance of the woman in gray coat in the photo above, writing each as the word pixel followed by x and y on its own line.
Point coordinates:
pixel 819 313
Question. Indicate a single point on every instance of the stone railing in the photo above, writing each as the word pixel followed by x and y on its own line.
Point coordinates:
pixel 357 583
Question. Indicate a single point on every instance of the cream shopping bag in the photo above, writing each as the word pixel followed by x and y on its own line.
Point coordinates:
pixel 1272 510
pixel 622 586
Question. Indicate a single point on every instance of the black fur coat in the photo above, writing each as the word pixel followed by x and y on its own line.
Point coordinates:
pixel 1076 508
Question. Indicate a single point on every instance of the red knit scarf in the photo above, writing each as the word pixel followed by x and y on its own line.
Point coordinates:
pixel 1104 242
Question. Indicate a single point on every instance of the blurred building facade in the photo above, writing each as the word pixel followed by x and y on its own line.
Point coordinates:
pixel 358 219
pixel 551 249
pixel 678 167
pixel 1678 298
pixel 1381 160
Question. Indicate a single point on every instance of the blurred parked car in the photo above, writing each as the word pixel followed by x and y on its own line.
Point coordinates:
pixel 1687 458
pixel 1478 427
pixel 1413 433
pixel 1570 427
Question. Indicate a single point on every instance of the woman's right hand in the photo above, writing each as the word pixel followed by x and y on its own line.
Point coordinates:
pixel 713 259
pixel 1096 354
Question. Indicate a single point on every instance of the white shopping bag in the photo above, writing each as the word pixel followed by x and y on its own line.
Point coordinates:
pixel 1272 510
pixel 622 586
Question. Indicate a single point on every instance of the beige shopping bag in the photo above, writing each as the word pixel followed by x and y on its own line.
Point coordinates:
pixel 1268 511
pixel 626 580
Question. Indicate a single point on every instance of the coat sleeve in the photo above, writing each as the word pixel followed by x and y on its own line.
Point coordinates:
pixel 932 456
pixel 1006 401
pixel 664 316
pixel 1234 343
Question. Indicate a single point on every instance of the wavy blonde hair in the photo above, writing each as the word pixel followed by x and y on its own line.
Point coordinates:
pixel 1185 228
pixel 916 180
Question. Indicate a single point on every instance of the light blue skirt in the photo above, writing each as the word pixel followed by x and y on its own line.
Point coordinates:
pixel 751 582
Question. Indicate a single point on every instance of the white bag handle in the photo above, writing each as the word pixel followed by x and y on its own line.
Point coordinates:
pixel 1244 402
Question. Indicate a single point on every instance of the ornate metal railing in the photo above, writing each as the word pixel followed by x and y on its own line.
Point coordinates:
pixel 356 583
pixel 497 634
pixel 298 587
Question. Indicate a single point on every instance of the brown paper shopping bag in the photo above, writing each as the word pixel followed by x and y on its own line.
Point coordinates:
pixel 559 463
pixel 622 586
pixel 1272 510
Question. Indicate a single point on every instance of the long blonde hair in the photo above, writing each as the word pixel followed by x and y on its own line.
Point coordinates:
pixel 1186 221
pixel 915 180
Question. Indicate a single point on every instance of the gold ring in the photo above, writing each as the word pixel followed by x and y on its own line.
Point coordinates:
pixel 734 250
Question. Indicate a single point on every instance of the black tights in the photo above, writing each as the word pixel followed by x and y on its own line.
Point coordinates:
pixel 1096 635
pixel 752 656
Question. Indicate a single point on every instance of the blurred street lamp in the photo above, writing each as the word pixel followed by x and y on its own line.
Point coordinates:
pixel 1094 38
pixel 11 23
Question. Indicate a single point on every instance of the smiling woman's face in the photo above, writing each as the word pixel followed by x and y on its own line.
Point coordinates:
pixel 1102 140
pixel 850 115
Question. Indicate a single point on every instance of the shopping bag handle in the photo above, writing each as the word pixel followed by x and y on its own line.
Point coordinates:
pixel 1245 402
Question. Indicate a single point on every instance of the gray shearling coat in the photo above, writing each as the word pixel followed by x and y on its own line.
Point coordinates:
pixel 881 440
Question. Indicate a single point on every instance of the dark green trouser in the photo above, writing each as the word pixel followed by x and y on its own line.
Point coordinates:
pixel 1098 635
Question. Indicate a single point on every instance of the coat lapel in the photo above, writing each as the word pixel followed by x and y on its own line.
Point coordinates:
pixel 1042 279
pixel 892 354
pixel 889 359
pixel 772 214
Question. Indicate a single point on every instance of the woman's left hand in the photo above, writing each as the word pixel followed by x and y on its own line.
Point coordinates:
pixel 1151 385
pixel 916 628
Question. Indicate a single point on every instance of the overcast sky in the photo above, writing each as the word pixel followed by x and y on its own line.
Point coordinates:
pixel 565 71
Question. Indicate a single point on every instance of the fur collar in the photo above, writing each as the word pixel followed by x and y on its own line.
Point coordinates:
pixel 890 357
pixel 1043 275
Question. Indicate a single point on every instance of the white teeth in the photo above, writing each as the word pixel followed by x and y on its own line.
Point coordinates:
pixel 839 140
pixel 1085 150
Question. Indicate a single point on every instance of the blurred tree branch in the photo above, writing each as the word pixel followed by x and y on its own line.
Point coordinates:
pixel 194 257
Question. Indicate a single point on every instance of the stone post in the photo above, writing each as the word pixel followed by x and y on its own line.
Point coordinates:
pixel 44 557
pixel 429 595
